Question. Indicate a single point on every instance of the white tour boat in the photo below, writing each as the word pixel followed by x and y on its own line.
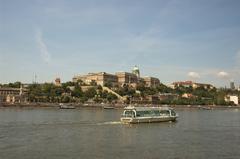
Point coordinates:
pixel 148 114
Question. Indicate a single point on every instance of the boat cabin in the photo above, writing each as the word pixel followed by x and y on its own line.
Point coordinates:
pixel 147 112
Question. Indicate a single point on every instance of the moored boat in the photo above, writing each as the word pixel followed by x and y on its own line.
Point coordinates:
pixel 205 108
pixel 62 106
pixel 108 107
pixel 148 114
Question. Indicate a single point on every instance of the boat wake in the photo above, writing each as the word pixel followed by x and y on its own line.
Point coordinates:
pixel 86 123
pixel 110 123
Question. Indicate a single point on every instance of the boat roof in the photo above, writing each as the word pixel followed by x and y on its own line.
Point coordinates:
pixel 146 108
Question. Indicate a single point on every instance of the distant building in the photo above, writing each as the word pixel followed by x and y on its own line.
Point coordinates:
pixel 188 95
pixel 232 98
pixel 13 95
pixel 149 99
pixel 182 83
pixel 126 78
pixel 154 99
pixel 232 86
pixel 58 82
pixel 85 88
pixel 204 85
pixel 100 78
pixel 167 96
pixel 72 88
pixel 191 84
pixel 119 79
pixel 136 71
pixel 151 81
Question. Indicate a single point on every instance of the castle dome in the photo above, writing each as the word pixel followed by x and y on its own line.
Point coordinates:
pixel 135 68
pixel 136 71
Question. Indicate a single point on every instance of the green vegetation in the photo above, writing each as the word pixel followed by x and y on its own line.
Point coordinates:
pixel 68 92
pixel 12 85
pixel 80 92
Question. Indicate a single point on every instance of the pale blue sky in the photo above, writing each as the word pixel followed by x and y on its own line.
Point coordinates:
pixel 171 39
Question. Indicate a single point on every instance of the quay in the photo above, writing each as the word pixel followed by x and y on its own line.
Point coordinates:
pixel 114 106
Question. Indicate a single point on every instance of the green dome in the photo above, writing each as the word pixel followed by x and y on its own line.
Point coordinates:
pixel 135 68
pixel 136 71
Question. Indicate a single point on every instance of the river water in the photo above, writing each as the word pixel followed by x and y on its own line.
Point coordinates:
pixel 91 133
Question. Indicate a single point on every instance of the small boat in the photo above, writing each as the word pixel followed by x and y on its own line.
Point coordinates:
pixel 108 107
pixel 62 106
pixel 134 115
pixel 204 108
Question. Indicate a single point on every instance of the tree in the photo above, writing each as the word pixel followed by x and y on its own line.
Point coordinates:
pixel 141 87
pixel 164 89
pixel 47 89
pixel 65 99
pixel 77 92
pixel 58 91
pixel 219 99
pixel 108 84
pixel 15 85
pixel 68 84
pixel 90 93
pixel 34 92
pixel 99 87
pixel 103 94
pixel 111 97
pixel 80 82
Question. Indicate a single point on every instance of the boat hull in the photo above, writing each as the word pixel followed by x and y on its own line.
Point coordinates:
pixel 148 119
pixel 106 107
pixel 67 107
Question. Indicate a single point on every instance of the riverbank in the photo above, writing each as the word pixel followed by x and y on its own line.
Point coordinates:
pixel 117 106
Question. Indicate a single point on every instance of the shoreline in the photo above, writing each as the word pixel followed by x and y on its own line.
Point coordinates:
pixel 116 106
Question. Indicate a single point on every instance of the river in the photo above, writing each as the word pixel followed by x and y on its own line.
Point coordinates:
pixel 93 133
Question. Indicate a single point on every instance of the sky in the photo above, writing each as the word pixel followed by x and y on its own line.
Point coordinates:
pixel 170 39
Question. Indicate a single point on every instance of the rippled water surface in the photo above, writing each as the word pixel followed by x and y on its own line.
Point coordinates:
pixel 89 133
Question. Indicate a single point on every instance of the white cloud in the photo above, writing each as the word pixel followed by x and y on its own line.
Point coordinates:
pixel 46 56
pixel 194 75
pixel 223 74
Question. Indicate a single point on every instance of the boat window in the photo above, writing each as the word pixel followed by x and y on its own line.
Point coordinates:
pixel 148 113
pixel 156 112
pixel 129 113
pixel 164 112
pixel 140 113
pixel 173 113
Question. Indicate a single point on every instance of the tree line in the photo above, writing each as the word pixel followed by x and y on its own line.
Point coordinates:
pixel 72 92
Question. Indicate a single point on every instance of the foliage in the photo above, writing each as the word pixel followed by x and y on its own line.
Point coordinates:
pixel 164 89
pixel 13 85
pixel 108 84
pixel 90 93
pixel 126 91
pixel 72 92
pixel 77 92
pixel 111 97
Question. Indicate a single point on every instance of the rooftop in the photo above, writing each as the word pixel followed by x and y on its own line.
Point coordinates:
pixel 146 108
